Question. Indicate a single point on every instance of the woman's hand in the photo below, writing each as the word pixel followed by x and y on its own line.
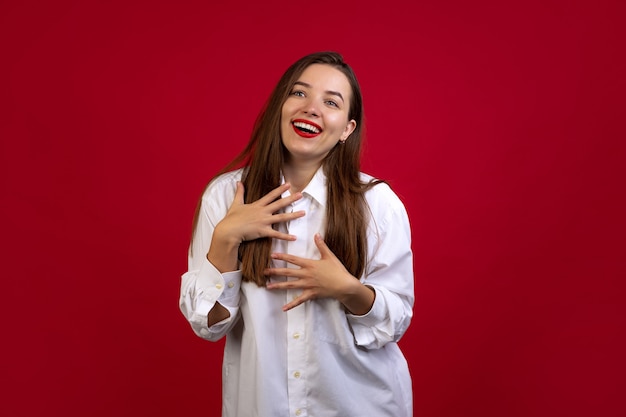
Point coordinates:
pixel 324 278
pixel 253 221
pixel 248 222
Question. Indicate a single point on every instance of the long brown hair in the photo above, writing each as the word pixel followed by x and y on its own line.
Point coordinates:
pixel 264 156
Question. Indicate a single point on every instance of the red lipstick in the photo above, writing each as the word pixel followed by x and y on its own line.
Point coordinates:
pixel 306 128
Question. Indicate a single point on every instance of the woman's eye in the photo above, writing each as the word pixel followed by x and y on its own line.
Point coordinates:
pixel 332 103
pixel 298 93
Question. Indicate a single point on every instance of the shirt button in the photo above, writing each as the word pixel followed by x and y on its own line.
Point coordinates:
pixel 231 284
pixel 298 412
pixel 296 374
pixel 218 286
pixel 296 335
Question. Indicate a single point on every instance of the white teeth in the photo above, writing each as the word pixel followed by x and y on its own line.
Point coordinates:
pixel 306 126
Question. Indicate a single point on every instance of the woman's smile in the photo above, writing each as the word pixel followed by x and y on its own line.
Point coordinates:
pixel 306 128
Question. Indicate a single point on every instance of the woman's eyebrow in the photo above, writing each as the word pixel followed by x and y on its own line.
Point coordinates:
pixel 307 85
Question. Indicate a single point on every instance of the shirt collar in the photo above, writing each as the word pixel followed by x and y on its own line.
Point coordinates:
pixel 316 188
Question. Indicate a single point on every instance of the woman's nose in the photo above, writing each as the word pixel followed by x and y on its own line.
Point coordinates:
pixel 311 109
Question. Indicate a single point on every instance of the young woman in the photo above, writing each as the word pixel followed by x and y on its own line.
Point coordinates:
pixel 303 262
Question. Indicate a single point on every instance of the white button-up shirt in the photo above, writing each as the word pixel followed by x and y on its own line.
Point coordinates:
pixel 315 359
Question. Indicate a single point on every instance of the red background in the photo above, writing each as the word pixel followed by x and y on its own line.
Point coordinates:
pixel 499 124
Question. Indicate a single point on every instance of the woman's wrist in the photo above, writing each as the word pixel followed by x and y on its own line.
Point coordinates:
pixel 223 251
pixel 358 298
pixel 224 237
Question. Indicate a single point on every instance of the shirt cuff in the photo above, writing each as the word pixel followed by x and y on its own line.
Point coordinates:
pixel 213 286
pixel 377 313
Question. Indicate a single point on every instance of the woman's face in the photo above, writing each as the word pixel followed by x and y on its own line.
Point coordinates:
pixel 315 115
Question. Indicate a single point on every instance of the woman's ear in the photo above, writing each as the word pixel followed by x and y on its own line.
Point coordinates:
pixel 348 130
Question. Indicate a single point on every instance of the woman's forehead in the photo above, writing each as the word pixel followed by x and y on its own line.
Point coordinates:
pixel 324 77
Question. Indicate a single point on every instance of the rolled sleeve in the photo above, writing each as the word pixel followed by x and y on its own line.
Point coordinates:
pixel 386 321
pixel 210 287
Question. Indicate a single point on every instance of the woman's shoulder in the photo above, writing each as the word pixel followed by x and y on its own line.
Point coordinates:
pixel 223 183
pixel 226 180
pixel 381 196
pixel 380 189
pixel 229 177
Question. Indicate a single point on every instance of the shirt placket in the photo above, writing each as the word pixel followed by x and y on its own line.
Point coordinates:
pixel 296 344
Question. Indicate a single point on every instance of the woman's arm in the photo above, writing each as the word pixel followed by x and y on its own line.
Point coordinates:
pixel 210 295
pixel 389 273
pixel 210 289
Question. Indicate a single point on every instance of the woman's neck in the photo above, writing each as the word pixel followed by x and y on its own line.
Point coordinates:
pixel 299 175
